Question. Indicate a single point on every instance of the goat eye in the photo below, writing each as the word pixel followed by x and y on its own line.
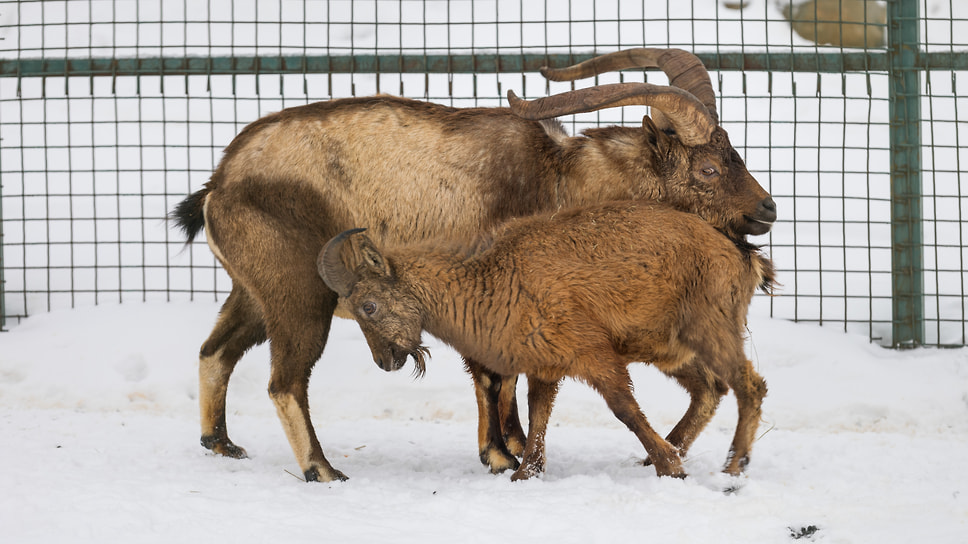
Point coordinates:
pixel 369 308
pixel 708 171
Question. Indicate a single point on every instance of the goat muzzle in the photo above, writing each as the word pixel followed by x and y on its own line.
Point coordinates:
pixel 761 221
pixel 394 358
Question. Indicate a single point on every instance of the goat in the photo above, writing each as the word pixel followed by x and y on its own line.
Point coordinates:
pixel 416 171
pixel 581 294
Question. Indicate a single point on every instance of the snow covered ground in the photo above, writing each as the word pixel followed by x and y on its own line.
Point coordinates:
pixel 99 425
pixel 99 435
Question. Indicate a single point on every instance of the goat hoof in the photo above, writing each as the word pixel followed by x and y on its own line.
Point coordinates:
pixel 672 468
pixel 525 472
pixel 223 446
pixel 647 462
pixel 497 467
pixel 515 444
pixel 520 475
pixel 676 473
pixel 735 466
pixel 498 461
pixel 314 475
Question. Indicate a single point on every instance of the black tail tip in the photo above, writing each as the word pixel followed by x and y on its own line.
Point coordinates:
pixel 188 214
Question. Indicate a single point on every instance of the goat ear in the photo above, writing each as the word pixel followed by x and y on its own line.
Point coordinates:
pixel 657 135
pixel 372 258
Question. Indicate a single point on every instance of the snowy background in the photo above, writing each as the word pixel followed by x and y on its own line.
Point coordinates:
pixel 98 419
pixel 98 405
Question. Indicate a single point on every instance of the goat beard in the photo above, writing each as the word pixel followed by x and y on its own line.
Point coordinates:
pixel 420 355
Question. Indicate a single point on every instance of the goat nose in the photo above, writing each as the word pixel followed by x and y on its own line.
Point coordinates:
pixel 766 211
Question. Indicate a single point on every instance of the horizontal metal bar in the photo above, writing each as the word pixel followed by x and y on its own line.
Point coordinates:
pixel 876 61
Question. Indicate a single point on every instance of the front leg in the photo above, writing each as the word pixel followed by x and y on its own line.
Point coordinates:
pixel 289 392
pixel 491 446
pixel 507 409
pixel 615 386
pixel 749 388
pixel 293 352
pixel 705 392
pixel 541 399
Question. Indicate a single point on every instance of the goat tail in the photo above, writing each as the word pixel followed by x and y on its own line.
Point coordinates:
pixel 189 214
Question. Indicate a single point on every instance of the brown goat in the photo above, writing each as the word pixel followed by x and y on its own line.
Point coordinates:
pixel 581 294
pixel 414 171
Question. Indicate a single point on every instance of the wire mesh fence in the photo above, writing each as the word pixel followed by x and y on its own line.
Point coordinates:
pixel 113 111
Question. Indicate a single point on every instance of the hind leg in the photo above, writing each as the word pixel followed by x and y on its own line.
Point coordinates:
pixel 705 392
pixel 488 387
pixel 750 389
pixel 267 235
pixel 507 404
pixel 239 327
pixel 541 400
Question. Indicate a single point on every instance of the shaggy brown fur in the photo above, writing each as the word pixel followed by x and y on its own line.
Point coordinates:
pixel 581 294
pixel 409 171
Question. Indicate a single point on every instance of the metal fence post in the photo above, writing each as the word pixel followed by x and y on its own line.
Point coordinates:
pixel 3 282
pixel 905 111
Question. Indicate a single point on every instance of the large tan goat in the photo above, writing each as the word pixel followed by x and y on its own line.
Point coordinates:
pixel 581 293
pixel 413 171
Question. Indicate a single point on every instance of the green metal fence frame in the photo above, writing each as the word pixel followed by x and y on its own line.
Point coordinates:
pixel 903 61
pixel 906 223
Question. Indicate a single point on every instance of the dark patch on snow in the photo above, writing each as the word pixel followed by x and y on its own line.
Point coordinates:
pixel 807 532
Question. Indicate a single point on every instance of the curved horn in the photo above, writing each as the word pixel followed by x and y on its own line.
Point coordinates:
pixel 684 69
pixel 687 115
pixel 331 267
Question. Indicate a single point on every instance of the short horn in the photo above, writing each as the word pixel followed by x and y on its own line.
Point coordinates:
pixel 686 114
pixel 684 70
pixel 331 267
